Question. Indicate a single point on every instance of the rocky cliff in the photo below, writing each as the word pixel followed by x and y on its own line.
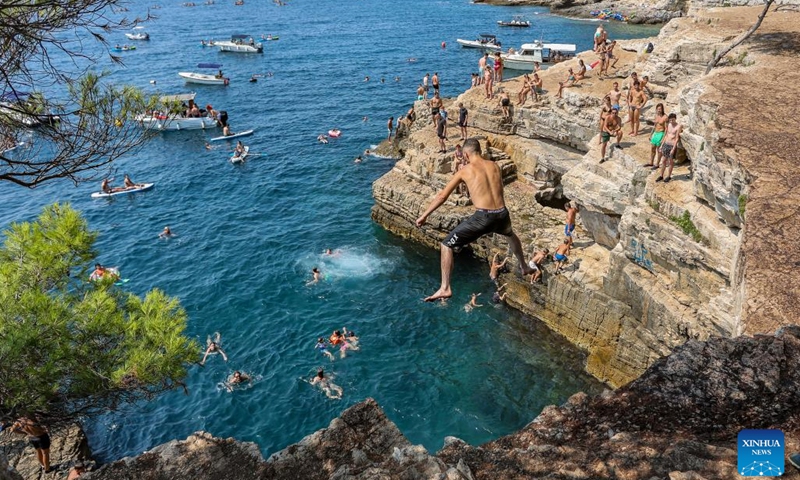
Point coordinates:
pixel 654 264
pixel 636 11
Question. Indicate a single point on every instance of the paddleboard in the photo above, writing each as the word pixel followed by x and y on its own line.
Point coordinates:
pixel 240 158
pixel 144 187
pixel 236 135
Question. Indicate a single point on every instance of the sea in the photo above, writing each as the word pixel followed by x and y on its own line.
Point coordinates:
pixel 247 236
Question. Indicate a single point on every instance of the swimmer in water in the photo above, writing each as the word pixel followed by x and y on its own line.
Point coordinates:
pixel 366 79
pixel 213 348
pixel 236 379
pixel 351 337
pixel 323 348
pixel 332 390
pixel 208 146
pixel 322 138
pixel 358 159
pixel 317 276
pixel 332 253
pixel 473 303
pixel 365 119
pixel 367 152
pixel 166 233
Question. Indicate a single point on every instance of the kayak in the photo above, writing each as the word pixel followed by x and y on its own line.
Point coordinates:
pixel 144 187
pixel 235 135
pixel 240 158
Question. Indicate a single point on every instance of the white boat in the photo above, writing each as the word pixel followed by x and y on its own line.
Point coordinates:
pixel 163 121
pixel 517 21
pixel 240 158
pixel 240 44
pixel 138 33
pixel 231 137
pixel 205 79
pixel 139 188
pixel 485 42
pixel 524 58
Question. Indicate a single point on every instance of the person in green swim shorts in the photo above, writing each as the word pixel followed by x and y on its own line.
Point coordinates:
pixel 657 136
pixel 612 127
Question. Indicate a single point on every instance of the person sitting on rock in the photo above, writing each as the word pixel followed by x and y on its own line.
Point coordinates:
pixel 536 264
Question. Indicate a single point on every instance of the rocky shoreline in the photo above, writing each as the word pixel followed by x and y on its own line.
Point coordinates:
pixel 682 324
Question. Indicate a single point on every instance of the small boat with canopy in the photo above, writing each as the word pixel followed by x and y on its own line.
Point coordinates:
pixel 204 78
pixel 241 44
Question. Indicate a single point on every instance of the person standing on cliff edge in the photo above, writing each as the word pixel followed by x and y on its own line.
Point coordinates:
pixel 484 182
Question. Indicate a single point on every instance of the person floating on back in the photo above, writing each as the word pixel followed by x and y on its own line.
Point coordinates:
pixel 484 182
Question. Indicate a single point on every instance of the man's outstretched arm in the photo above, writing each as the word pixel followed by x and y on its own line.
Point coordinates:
pixel 440 198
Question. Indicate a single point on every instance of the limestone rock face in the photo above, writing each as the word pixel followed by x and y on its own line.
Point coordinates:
pixel 199 456
pixel 679 420
pixel 361 444
pixel 6 472
pixel 654 264
pixel 67 445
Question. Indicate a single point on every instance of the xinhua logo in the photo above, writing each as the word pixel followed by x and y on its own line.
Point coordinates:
pixel 760 453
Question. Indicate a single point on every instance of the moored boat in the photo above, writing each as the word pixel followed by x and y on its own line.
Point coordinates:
pixel 138 33
pixel 172 117
pixel 240 44
pixel 484 41
pixel 205 79
pixel 529 53
pixel 517 21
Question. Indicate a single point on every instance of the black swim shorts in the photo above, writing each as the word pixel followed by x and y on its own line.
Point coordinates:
pixel 480 223
pixel 41 442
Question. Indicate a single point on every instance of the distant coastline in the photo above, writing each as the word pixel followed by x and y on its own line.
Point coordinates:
pixel 580 9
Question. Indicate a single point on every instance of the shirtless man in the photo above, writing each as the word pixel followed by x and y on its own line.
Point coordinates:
pixel 435 82
pixel 332 390
pixel 669 146
pixel 441 130
pixel 614 95
pixel 560 255
pixel 637 100
pixel 484 182
pixel 536 86
pixel 482 67
pixel 536 264
pixel 604 112
pixel 213 348
pixel 494 270
pixel 38 438
pixel 612 127
pixel 499 296
pixel 659 127
pixel 473 302
pixel 390 126
pixel 572 211
pixel 435 104
pixel 106 188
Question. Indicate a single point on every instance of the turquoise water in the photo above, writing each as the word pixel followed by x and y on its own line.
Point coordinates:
pixel 247 236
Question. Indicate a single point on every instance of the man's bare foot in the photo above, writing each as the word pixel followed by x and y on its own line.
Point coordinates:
pixel 440 294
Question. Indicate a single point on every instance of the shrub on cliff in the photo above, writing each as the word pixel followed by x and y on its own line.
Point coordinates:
pixel 70 347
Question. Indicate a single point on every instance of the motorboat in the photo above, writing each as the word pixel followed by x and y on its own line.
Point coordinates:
pixel 484 41
pixel 172 118
pixel 240 44
pixel 138 33
pixel 517 21
pixel 26 109
pixel 206 79
pixel 524 58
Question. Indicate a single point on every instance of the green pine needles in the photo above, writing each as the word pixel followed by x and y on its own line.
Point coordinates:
pixel 70 347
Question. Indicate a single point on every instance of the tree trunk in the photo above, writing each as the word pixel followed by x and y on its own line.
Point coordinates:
pixel 713 63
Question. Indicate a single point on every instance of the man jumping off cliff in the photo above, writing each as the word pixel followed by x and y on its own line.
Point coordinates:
pixel 484 182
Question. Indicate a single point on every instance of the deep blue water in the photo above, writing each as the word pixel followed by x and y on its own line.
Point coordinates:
pixel 248 235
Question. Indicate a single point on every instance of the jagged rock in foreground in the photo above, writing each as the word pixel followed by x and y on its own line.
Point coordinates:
pixel 361 444
pixel 679 420
pixel 6 472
